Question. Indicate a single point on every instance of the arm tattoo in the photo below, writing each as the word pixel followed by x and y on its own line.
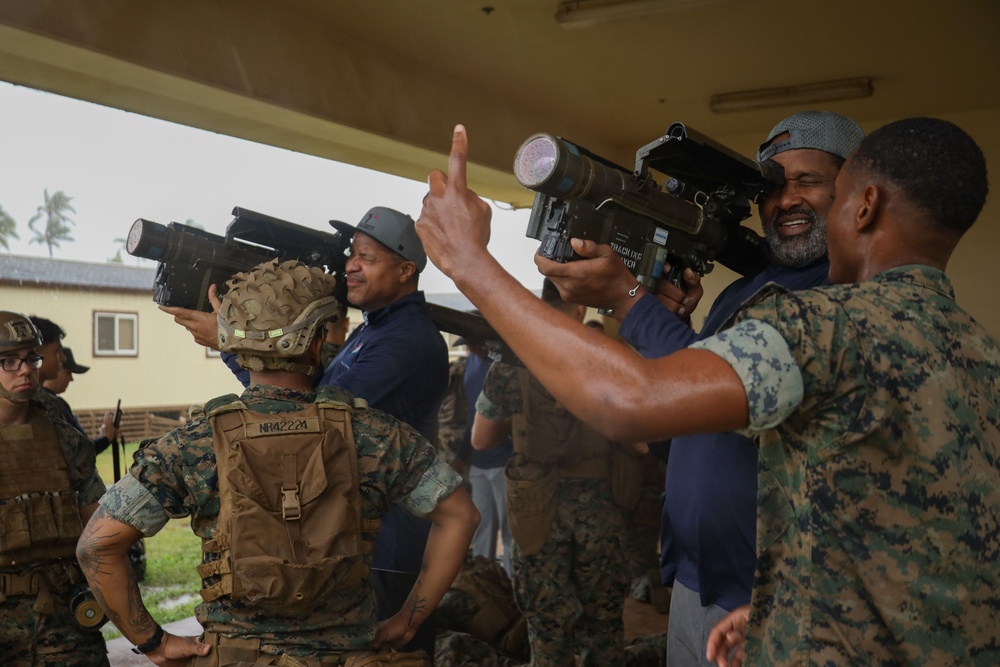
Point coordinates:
pixel 104 563
pixel 94 549
pixel 418 607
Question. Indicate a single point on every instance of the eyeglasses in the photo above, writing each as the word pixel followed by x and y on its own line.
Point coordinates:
pixel 13 364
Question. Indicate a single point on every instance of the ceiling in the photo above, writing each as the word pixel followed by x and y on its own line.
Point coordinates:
pixel 380 83
pixel 625 81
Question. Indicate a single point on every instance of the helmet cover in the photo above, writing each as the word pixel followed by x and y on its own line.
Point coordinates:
pixel 272 313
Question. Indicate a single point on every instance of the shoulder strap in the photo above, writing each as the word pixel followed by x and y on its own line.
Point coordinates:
pixel 224 403
pixel 331 395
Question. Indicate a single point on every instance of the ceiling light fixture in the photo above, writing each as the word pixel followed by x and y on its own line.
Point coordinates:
pixel 585 13
pixel 806 93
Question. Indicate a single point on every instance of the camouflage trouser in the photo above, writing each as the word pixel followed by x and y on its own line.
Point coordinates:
pixel 246 652
pixel 458 649
pixel 32 639
pixel 573 591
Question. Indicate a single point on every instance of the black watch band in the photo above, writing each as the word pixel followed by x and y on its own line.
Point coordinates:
pixel 151 644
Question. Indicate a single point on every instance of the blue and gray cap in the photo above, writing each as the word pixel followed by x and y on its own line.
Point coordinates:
pixel 821 130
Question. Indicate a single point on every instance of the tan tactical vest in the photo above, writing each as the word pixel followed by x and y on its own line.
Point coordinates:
pixel 290 529
pixel 551 444
pixel 39 512
pixel 547 434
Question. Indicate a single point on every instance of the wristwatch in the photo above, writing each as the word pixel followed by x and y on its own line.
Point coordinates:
pixel 151 644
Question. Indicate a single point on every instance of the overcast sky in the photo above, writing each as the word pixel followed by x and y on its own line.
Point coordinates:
pixel 119 166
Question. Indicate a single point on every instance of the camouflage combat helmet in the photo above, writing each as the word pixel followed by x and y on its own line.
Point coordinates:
pixel 271 313
pixel 17 331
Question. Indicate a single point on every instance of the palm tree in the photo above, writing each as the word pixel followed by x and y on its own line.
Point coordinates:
pixel 8 229
pixel 57 223
pixel 120 242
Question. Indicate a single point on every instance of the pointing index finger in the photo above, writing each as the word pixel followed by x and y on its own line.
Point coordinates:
pixel 459 154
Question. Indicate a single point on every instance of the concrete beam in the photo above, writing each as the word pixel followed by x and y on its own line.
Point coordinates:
pixel 250 70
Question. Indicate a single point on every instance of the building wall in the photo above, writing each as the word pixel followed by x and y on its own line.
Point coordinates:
pixel 169 370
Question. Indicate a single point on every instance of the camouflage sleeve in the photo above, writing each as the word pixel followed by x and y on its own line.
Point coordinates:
pixel 91 489
pixel 130 502
pixel 394 457
pixel 770 375
pixel 178 470
pixel 438 481
pixel 824 344
pixel 501 395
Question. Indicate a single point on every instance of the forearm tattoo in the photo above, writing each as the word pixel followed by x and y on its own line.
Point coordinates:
pixel 111 577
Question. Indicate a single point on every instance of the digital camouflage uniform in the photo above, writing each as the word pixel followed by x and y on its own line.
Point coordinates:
pixel 479 625
pixel 38 628
pixel 175 476
pixel 879 499
pixel 573 591
pixel 454 414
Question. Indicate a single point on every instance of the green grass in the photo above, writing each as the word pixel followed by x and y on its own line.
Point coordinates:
pixel 170 590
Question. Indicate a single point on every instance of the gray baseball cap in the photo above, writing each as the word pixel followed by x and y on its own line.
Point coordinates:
pixel 396 231
pixel 821 130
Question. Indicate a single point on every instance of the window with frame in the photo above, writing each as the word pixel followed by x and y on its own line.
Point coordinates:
pixel 116 334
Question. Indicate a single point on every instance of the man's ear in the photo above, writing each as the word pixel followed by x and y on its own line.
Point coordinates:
pixel 867 212
pixel 407 270
pixel 314 353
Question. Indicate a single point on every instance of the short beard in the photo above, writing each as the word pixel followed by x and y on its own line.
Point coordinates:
pixel 797 251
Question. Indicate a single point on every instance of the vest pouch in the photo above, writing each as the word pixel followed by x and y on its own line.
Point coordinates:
pixel 260 525
pixel 531 502
pixel 283 580
pixel 626 477
pixel 62 576
pixel 14 533
pixel 294 589
pixel 67 515
pixel 41 519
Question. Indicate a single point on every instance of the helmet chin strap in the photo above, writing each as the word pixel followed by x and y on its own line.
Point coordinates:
pixel 20 396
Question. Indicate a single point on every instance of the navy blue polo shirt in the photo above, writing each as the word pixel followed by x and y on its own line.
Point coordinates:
pixel 709 525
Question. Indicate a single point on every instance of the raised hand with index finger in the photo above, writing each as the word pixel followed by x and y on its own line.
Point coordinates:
pixel 454 223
